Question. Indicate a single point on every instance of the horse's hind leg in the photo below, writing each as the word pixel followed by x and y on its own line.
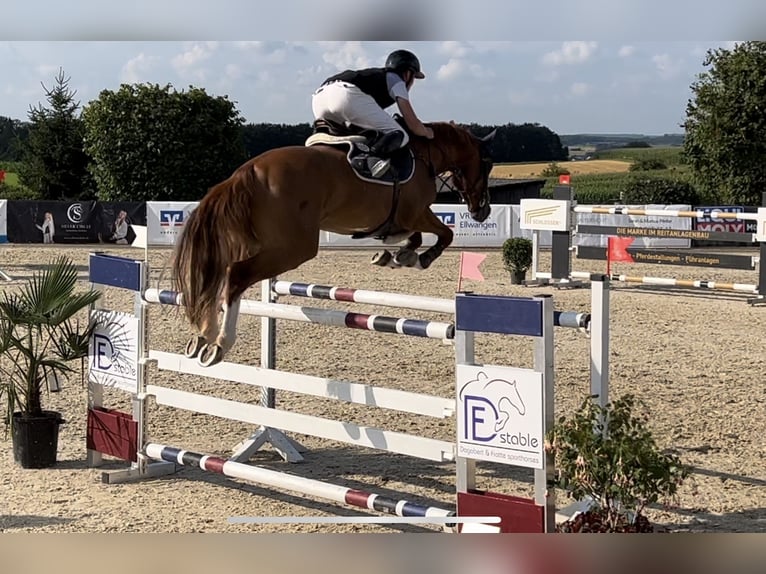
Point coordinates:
pixel 207 335
pixel 241 276
pixel 405 257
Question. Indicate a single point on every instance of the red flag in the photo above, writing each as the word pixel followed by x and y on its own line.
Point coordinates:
pixel 2 174
pixel 469 266
pixel 617 250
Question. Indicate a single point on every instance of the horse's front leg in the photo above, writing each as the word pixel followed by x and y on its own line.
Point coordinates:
pixel 430 223
pixel 407 255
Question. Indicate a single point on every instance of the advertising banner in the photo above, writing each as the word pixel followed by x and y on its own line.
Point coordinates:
pixel 166 219
pixel 500 415
pixel 65 222
pixel 545 236
pixel 468 233
pixel 715 224
pixel 626 222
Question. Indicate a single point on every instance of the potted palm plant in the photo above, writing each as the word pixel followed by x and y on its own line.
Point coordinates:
pixel 517 258
pixel 39 336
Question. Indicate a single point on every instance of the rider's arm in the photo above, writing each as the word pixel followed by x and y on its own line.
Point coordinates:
pixel 400 93
pixel 413 122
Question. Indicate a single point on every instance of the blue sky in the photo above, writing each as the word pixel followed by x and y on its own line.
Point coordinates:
pixel 516 61
pixel 569 86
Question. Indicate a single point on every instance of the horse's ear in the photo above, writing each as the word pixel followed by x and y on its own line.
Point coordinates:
pixel 490 136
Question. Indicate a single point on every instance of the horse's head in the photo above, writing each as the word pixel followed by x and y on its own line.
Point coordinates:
pixel 467 157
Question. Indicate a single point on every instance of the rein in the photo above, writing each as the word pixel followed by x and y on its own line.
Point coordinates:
pixel 445 181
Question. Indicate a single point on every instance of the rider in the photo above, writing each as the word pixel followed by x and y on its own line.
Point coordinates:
pixel 360 97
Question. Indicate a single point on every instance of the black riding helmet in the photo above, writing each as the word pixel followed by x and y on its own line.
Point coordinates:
pixel 401 60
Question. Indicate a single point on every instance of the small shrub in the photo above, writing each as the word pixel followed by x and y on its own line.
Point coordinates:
pixel 517 254
pixel 16 192
pixel 622 471
pixel 554 170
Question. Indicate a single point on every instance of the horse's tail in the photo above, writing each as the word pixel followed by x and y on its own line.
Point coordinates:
pixel 216 234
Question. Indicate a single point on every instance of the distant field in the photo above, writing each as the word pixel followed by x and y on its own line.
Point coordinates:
pixel 524 170
pixel 668 155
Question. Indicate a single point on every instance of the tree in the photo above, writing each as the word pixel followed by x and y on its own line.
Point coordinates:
pixel 725 123
pixel 54 165
pixel 260 138
pixel 12 134
pixel 155 143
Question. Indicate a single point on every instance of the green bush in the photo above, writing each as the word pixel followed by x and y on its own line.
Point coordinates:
pixel 659 190
pixel 610 456
pixel 554 170
pixel 517 254
pixel 16 192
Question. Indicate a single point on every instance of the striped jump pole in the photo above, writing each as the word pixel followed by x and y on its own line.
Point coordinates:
pixel 698 214
pixel 571 319
pixel 700 284
pixel 307 486
pixel 378 323
pixel 350 295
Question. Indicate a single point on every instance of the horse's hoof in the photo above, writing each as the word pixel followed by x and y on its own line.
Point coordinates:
pixel 382 259
pixel 194 346
pixel 210 355
pixel 406 258
pixel 424 261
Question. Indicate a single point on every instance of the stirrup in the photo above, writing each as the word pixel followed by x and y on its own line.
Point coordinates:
pixel 380 167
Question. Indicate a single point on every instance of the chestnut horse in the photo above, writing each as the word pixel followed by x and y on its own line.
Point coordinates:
pixel 266 218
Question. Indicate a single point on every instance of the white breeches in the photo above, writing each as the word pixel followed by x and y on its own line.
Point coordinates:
pixel 345 103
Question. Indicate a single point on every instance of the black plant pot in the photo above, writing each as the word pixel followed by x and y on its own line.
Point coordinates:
pixel 517 277
pixel 36 439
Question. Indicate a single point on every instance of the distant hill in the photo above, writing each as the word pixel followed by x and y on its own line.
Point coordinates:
pixel 608 141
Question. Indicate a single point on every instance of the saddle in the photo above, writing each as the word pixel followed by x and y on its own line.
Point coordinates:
pixel 362 160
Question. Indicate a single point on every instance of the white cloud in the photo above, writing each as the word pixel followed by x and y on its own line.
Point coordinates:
pixel 310 76
pixel 196 54
pixel 249 45
pixel 666 67
pixel 188 63
pixel 452 69
pixel 343 55
pixel 626 51
pixel 454 49
pixel 571 53
pixel 459 67
pixel 579 89
pixel 134 71
pixel 233 71
pixel 271 52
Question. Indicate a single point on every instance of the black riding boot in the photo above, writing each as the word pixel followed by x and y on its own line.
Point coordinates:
pixel 387 143
pixel 382 148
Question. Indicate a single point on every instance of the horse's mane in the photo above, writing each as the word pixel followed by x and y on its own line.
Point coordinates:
pixel 451 131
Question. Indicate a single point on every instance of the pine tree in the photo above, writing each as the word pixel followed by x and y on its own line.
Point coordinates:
pixel 54 163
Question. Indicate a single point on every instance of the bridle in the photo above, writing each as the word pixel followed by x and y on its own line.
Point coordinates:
pixel 446 182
